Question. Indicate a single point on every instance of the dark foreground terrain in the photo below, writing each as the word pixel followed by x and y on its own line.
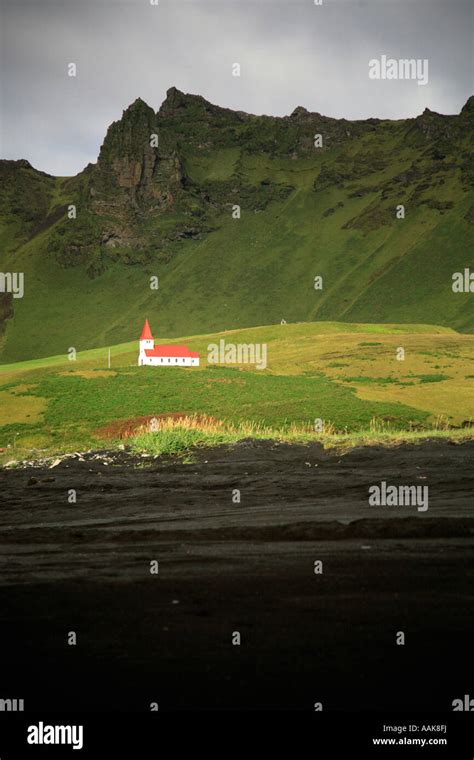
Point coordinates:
pixel 248 567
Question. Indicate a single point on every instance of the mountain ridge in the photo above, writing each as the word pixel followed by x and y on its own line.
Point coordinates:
pixel 299 111
pixel 304 209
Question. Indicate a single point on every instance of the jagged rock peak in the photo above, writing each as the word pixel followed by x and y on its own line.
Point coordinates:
pixel 174 94
pixel 299 111
pixel 468 106
pixel 19 163
pixel 129 135
pixel 177 99
pixel 177 102
pixel 138 106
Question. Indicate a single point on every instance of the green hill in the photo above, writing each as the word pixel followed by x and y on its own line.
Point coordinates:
pixel 168 212
pixel 345 374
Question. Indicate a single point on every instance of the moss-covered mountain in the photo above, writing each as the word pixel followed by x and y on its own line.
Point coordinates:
pixel 236 215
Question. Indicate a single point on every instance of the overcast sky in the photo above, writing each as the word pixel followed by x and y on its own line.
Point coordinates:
pixel 291 52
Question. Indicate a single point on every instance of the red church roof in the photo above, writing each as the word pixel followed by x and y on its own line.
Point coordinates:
pixel 171 351
pixel 146 332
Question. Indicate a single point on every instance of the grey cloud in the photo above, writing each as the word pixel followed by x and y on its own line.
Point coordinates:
pixel 291 53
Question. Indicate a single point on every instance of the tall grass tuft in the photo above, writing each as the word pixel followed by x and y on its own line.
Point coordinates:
pixel 181 436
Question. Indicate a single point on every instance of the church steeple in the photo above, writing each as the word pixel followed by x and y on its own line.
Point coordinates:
pixel 146 332
pixel 147 343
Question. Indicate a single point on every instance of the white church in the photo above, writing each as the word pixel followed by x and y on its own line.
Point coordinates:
pixel 164 356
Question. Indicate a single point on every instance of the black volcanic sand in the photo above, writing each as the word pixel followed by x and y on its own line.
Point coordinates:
pixel 248 567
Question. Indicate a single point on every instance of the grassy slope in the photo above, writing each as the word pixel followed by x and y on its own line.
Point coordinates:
pixel 344 374
pixel 259 269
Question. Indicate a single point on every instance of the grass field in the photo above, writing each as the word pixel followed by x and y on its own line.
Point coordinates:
pixel 346 375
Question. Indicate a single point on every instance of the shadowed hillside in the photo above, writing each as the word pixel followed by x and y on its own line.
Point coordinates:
pixel 168 211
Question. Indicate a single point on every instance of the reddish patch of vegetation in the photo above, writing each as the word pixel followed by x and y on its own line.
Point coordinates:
pixel 126 428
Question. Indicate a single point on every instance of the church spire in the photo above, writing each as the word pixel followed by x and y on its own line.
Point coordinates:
pixel 146 332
